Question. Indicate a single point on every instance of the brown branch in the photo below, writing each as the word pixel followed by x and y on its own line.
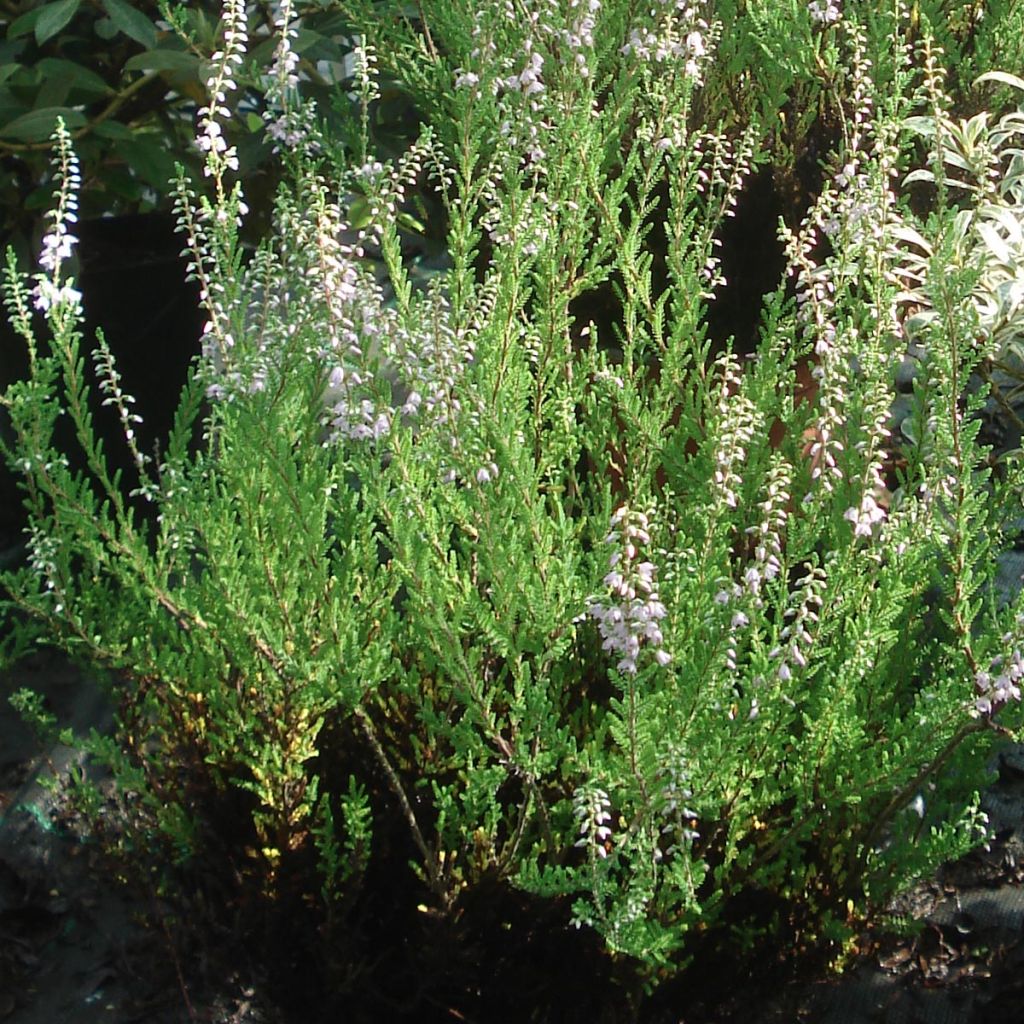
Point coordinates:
pixel 437 883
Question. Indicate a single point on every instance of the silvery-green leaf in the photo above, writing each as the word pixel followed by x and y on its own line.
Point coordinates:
pixel 919 321
pixel 956 160
pixel 997 246
pixel 922 125
pixel 1010 220
pixel 962 222
pixel 1003 77
pixel 909 234
pixel 919 175
pixel 1011 293
pixel 973 131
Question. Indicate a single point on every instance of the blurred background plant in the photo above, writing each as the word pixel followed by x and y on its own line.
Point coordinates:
pixel 979 168
pixel 127 79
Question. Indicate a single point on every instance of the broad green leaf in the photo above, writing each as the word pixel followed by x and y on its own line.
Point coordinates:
pixel 118 181
pixel 25 24
pixel 105 28
pixel 10 106
pixel 40 199
pixel 6 70
pixel 80 77
pixel 162 60
pixel 53 17
pixel 53 91
pixel 131 22
pixel 111 129
pixel 148 158
pixel 38 125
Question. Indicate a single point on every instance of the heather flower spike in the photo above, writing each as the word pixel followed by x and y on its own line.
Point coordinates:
pixel 289 121
pixel 738 422
pixel 865 517
pixel 630 618
pixel 219 156
pixel 52 291
pixel 592 810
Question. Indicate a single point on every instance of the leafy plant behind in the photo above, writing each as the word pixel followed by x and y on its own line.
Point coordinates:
pixel 127 79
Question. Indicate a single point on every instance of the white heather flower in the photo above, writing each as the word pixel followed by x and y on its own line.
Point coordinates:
pixel 210 140
pixel 995 687
pixel 675 797
pixel 579 37
pixel 123 403
pixel 528 81
pixel 47 295
pixel 631 619
pixel 591 808
pixel 286 60
pixel 825 12
pixel 364 67
pixel 737 423
pixel 57 246
pixel 815 299
pixel 796 636
pixel 50 291
pixel 289 122
pixel 485 474
pixel 678 33
pixel 767 534
pixel 866 516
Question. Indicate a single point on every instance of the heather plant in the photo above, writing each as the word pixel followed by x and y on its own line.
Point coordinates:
pixel 584 604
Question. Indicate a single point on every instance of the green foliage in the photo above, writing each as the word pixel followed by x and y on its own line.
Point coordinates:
pixel 575 599
pixel 32 708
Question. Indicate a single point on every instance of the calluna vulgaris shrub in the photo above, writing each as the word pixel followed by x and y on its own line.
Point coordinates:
pixel 615 614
